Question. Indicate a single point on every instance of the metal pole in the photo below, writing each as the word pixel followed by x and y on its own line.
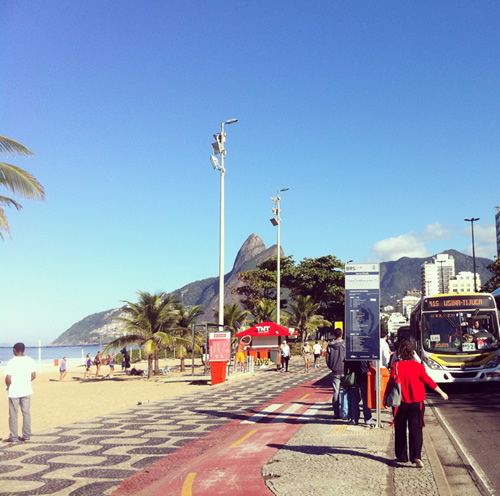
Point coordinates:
pixel 221 237
pixel 192 350
pixel 472 220
pixel 473 256
pixel 278 266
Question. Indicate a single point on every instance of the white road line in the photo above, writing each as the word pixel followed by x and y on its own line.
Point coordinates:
pixel 311 412
pixel 259 416
pixel 283 415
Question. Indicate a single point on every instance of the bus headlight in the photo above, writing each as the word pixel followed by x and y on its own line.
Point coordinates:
pixel 493 363
pixel 432 364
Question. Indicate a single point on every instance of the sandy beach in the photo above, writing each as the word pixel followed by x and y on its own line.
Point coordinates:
pixel 55 403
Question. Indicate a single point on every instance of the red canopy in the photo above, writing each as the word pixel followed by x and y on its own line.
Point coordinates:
pixel 266 329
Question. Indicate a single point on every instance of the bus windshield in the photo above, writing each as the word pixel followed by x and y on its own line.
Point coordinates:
pixel 463 331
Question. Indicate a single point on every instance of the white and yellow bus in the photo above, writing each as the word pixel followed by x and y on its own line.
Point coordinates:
pixel 457 337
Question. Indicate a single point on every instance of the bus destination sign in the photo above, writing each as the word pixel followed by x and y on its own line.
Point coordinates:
pixel 457 302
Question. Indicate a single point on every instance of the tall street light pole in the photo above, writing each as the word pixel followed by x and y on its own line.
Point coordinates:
pixel 218 149
pixel 276 221
pixel 472 220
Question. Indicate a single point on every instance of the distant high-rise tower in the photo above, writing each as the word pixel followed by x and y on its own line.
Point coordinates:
pixel 435 275
pixel 497 219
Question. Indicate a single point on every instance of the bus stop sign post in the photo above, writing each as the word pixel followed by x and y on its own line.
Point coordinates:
pixel 362 317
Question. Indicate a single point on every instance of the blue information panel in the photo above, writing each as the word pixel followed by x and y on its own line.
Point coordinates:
pixel 362 311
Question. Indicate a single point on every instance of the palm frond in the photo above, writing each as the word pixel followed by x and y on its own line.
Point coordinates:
pixel 20 182
pixel 13 147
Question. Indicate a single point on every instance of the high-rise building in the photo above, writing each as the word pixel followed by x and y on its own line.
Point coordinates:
pixel 497 222
pixel 436 275
pixel 410 301
pixel 463 282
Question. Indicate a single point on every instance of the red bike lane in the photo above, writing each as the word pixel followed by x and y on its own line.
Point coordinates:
pixel 229 459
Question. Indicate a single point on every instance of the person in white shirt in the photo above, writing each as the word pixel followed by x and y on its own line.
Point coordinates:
pixel 19 374
pixel 385 351
pixel 285 356
pixel 317 354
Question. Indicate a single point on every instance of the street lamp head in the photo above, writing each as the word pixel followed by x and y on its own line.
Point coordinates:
pixel 214 161
pixel 231 121
pixel 471 220
pixel 274 221
pixel 284 189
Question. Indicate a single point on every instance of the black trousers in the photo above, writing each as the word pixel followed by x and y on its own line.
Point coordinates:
pixel 411 416
pixel 284 362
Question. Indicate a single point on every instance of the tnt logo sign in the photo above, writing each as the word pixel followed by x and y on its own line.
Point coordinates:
pixel 263 329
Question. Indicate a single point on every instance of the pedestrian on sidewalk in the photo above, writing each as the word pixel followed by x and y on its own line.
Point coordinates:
pixel 335 356
pixel 285 356
pixel 410 414
pixel 317 354
pixel 353 396
pixel 20 372
pixel 307 355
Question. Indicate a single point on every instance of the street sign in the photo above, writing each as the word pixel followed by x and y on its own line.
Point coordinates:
pixel 362 311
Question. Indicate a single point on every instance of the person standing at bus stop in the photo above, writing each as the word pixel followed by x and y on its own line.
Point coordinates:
pixel 410 414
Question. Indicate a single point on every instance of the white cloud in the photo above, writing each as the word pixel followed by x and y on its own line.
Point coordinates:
pixel 484 240
pixel 405 245
pixel 436 231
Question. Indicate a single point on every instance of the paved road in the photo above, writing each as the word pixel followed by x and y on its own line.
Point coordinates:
pixel 473 413
pixel 93 457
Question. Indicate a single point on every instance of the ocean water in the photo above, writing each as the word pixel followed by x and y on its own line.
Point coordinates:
pixel 46 355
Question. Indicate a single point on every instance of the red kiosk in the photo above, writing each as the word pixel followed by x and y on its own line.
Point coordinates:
pixel 266 337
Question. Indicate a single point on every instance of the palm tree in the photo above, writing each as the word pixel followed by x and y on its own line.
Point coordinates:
pixel 264 311
pixel 148 324
pixel 18 181
pixel 234 317
pixel 302 315
pixel 186 318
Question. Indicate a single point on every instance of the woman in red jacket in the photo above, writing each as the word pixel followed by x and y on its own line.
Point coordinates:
pixel 413 379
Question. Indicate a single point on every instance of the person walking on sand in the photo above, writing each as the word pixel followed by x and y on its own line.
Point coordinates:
pixel 88 364
pixel 62 369
pixel 98 361
pixel 335 356
pixel 307 355
pixel 19 374
pixel 112 361
pixel 413 378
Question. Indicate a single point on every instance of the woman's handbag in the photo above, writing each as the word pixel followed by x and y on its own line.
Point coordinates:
pixel 348 381
pixel 394 397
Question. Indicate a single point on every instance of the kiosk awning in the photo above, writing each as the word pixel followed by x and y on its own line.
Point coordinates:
pixel 266 329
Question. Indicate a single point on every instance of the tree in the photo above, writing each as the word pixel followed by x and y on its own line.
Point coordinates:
pixel 234 317
pixel 494 282
pixel 148 324
pixel 16 180
pixel 303 317
pixel 264 311
pixel 261 284
pixel 183 331
pixel 322 279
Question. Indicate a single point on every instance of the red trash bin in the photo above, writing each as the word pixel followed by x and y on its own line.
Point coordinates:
pixel 372 398
pixel 218 370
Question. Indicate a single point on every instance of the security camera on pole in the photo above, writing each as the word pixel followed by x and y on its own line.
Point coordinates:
pixel 218 149
pixel 276 221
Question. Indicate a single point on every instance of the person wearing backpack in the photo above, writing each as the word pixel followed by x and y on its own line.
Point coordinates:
pixel 335 356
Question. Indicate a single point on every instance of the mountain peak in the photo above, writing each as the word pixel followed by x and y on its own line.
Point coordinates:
pixel 252 247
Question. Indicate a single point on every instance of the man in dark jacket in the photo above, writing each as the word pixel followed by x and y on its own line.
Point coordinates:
pixel 335 356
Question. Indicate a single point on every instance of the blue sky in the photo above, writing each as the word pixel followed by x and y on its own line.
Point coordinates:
pixel 382 118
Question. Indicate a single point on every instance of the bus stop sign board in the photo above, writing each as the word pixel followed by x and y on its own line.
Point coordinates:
pixel 220 346
pixel 362 311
